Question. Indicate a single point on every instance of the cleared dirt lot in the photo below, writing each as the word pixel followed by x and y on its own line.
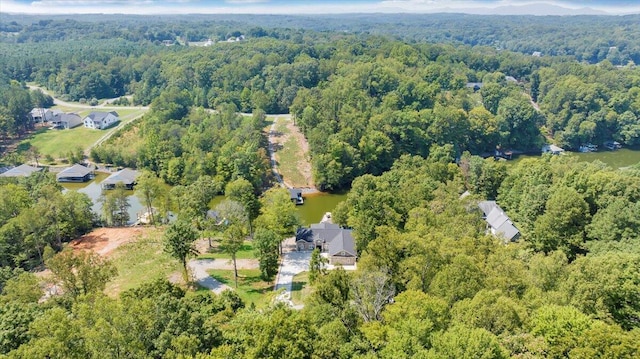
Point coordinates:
pixel 105 240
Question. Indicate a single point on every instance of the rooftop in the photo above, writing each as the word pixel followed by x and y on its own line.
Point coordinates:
pixel 23 170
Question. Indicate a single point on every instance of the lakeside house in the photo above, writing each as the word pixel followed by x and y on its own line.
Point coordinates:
pixel 126 176
pixel 23 170
pixel 498 223
pixel 101 120
pixel 75 173
pixel 328 238
pixel 296 196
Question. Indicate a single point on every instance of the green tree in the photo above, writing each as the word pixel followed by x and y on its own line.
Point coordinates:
pixel 235 225
pixel 243 191
pixel 24 288
pixel 563 222
pixel 148 189
pixel 266 244
pixel 115 205
pixel 463 342
pixel 278 213
pixel 179 243
pixel 562 328
pixel 15 318
pixel 317 266
pixel 458 280
pixel 80 273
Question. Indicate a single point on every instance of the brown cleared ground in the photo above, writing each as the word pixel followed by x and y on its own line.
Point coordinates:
pixel 105 240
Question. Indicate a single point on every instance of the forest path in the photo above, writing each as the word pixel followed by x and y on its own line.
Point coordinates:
pixel 289 154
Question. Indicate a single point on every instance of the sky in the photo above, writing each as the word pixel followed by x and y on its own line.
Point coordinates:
pixel 539 7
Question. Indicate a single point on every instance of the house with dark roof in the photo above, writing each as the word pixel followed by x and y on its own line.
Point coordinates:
pixel 101 120
pixel 75 173
pixel 23 170
pixel 329 238
pixel 66 120
pixel 126 176
pixel 498 223
pixel 296 195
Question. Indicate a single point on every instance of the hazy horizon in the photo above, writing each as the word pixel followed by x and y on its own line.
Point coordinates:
pixel 498 7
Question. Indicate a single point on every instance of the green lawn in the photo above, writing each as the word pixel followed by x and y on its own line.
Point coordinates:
pixel 300 288
pixel 289 157
pixel 141 261
pixel 251 288
pixel 58 142
pixel 246 252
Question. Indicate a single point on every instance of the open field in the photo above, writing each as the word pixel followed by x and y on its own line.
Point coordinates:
pixel 291 153
pixel 57 142
pixel 139 261
pixel 137 253
pixel 246 252
pixel 251 288
pixel 300 288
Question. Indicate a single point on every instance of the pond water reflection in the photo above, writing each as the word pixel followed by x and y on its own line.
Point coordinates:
pixel 93 189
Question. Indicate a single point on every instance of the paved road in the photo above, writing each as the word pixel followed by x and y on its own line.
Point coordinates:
pixel 199 268
pixel 292 264
pixel 59 102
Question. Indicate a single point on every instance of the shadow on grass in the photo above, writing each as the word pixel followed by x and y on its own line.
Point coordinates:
pixel 296 286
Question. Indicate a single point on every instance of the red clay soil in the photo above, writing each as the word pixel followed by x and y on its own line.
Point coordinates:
pixel 105 240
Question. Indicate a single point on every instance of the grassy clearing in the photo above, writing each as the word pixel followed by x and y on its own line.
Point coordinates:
pixel 300 288
pixel 141 261
pixel 246 252
pixel 57 142
pixel 251 288
pixel 289 157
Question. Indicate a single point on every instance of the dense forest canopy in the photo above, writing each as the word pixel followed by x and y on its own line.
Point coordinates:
pixel 398 111
pixel 586 38
pixel 362 100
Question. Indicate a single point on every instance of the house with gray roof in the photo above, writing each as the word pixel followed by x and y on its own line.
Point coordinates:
pixel 41 115
pixel 296 195
pixel 329 238
pixel 23 170
pixel 101 120
pixel 75 173
pixel 126 176
pixel 498 223
pixel 66 120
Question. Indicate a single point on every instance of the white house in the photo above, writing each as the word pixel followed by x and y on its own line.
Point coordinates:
pixel 101 120
pixel 41 115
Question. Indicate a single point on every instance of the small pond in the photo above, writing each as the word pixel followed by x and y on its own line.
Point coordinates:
pixel 93 189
